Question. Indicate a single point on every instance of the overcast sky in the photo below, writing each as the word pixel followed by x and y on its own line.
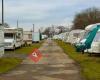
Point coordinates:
pixel 44 12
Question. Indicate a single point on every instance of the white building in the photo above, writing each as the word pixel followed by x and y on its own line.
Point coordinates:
pixel 1 40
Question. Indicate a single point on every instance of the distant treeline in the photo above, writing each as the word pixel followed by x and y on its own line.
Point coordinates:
pixel 86 17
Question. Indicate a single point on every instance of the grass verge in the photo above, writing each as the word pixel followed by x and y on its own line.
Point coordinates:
pixel 7 64
pixel 90 65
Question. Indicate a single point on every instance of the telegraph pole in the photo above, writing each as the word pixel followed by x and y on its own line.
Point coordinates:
pixel 2 12
pixel 17 24
pixel 33 27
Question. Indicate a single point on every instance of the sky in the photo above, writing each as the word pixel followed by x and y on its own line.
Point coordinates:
pixel 44 13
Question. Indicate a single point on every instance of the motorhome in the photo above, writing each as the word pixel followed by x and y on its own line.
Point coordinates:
pixel 13 38
pixel 27 37
pixel 95 46
pixel 36 37
pixel 1 40
pixel 75 36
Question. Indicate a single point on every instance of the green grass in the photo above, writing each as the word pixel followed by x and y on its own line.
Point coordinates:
pixel 90 66
pixel 7 64
pixel 26 50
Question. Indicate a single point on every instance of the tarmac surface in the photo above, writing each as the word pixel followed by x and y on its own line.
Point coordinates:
pixel 54 65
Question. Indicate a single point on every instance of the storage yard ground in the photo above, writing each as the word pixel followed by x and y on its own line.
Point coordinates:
pixel 90 65
pixel 54 65
pixel 57 63
pixel 13 58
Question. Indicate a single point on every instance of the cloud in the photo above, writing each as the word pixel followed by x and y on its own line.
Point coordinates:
pixel 44 12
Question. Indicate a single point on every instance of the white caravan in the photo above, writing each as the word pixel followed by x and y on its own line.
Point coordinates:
pixel 75 36
pixel 44 37
pixel 13 38
pixel 27 37
pixel 55 36
pixel 65 36
pixel 36 37
pixel 95 46
pixel 60 36
pixel 1 40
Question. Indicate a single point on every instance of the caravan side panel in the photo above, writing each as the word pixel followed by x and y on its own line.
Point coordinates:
pixel 35 37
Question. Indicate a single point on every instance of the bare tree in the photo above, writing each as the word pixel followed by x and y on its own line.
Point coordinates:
pixel 47 31
pixel 62 29
pixel 86 17
pixel 6 25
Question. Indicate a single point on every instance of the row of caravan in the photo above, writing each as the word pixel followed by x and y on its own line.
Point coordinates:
pixel 16 37
pixel 12 38
pixel 76 36
pixel 72 37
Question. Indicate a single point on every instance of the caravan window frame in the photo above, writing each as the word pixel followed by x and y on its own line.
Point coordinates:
pixel 97 37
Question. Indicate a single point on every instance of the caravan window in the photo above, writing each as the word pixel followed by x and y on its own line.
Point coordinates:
pixel 97 37
pixel 8 35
